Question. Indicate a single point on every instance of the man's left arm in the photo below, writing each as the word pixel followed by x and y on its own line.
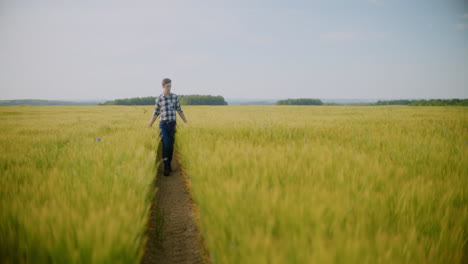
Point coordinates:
pixel 180 111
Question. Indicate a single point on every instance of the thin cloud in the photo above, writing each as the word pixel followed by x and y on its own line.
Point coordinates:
pixel 378 35
pixel 340 36
pixel 462 26
pixel 375 2
pixel 351 36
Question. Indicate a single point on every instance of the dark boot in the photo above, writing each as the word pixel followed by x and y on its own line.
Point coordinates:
pixel 167 171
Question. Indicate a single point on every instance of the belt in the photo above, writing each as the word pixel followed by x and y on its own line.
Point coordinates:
pixel 167 122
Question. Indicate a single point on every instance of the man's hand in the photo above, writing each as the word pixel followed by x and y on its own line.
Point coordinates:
pixel 183 117
pixel 152 121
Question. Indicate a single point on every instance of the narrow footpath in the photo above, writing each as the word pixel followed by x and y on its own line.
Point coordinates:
pixel 173 236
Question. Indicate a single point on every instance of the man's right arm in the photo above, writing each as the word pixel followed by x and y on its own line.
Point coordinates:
pixel 152 120
pixel 156 112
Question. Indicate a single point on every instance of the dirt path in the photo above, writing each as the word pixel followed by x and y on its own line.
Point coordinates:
pixel 173 236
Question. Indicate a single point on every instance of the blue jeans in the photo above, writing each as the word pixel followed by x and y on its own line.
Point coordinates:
pixel 167 132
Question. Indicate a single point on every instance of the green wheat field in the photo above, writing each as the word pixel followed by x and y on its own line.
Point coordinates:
pixel 272 184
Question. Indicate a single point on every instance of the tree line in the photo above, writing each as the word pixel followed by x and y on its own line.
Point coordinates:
pixel 430 102
pixel 197 99
pixel 300 101
pixel 148 100
pixel 184 100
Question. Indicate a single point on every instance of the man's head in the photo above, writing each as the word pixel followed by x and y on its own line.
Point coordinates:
pixel 166 85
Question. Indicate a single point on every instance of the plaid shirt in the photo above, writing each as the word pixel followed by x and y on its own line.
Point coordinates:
pixel 167 107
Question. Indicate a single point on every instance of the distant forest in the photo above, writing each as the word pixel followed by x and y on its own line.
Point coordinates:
pixel 300 101
pixel 431 102
pixel 40 102
pixel 148 100
pixel 219 100
pixel 195 99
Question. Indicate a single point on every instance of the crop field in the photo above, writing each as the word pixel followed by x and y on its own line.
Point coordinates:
pixel 66 197
pixel 323 184
pixel 272 184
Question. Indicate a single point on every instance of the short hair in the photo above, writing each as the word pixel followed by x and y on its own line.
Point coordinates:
pixel 166 81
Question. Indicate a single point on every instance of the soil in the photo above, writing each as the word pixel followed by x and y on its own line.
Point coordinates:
pixel 173 235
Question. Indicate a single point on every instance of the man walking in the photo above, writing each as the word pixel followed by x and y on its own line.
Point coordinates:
pixel 166 106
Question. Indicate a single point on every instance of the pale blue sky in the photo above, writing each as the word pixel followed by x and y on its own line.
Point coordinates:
pixel 238 49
